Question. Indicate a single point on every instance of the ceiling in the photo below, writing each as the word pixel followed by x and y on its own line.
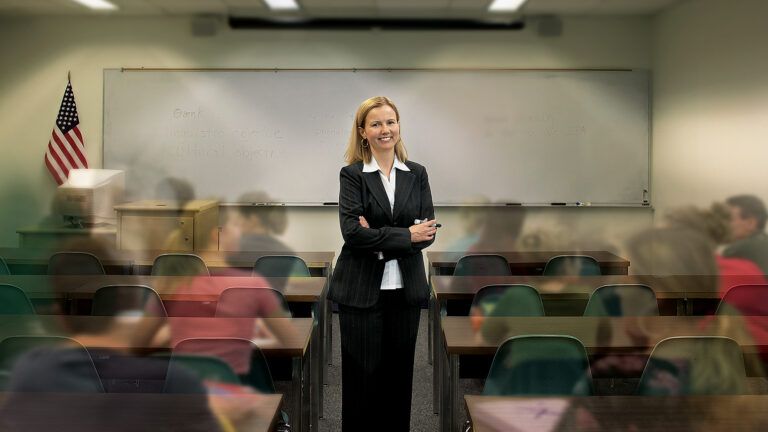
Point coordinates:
pixel 340 8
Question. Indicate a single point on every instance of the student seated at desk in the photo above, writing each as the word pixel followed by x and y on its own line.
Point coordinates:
pixel 713 223
pixel 260 303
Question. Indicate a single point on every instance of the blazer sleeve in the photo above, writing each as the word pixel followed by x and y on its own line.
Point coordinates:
pixel 384 239
pixel 427 208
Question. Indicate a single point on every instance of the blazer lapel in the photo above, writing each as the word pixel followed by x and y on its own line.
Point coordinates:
pixel 373 181
pixel 403 185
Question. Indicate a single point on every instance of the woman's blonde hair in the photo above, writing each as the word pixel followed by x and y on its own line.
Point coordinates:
pixel 356 152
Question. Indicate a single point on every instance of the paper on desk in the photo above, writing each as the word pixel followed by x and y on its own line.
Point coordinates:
pixel 540 415
pixel 262 335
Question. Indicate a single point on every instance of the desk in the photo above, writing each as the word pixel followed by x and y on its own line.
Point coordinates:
pixel 35 261
pixel 642 413
pixel 304 413
pixel 599 335
pixel 528 263
pixel 297 289
pixel 154 412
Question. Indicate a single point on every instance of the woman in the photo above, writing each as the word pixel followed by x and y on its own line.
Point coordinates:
pixel 379 281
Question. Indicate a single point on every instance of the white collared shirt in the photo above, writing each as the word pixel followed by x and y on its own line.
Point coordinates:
pixel 392 278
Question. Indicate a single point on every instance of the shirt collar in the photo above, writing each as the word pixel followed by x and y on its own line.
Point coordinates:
pixel 373 166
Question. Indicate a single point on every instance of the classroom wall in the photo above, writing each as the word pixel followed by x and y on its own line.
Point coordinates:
pixel 710 106
pixel 33 76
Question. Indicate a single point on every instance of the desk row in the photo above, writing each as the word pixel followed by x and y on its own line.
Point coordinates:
pixel 45 261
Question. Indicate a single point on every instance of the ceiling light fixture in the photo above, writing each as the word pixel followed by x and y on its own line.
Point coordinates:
pixel 97 4
pixel 503 6
pixel 282 4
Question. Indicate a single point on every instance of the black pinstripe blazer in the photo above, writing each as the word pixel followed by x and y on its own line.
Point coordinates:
pixel 357 277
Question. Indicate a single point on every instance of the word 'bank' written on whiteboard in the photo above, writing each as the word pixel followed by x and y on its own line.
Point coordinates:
pixel 514 136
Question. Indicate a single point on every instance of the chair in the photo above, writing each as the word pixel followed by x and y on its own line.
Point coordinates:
pixel 572 265
pixel 141 300
pixel 235 302
pixel 179 264
pixel 694 365
pixel 482 265
pixel 199 356
pixel 4 270
pixel 508 300
pixel 13 301
pixel 81 373
pixel 191 354
pixel 540 365
pixel 622 300
pixel 74 263
pixel 281 266
pixel 746 300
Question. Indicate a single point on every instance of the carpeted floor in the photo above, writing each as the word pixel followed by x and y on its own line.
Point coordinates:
pixel 422 417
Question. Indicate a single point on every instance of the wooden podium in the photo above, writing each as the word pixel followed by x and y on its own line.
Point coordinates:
pixel 166 225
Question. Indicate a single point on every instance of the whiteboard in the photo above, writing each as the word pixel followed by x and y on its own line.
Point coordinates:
pixel 522 136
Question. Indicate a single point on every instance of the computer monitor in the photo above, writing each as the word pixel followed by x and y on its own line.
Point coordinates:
pixel 89 196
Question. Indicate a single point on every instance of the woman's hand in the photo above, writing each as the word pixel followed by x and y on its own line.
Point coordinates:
pixel 424 231
pixel 363 222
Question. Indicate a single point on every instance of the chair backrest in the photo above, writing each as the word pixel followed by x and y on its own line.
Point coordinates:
pixel 508 300
pixel 694 365
pixel 572 265
pixel 199 355
pixel 746 300
pixel 281 266
pixel 622 300
pixel 179 264
pixel 239 302
pixel 482 265
pixel 13 301
pixel 540 365
pixel 137 300
pixel 76 361
pixel 4 270
pixel 74 263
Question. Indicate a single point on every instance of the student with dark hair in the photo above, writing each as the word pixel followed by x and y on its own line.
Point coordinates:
pixel 748 218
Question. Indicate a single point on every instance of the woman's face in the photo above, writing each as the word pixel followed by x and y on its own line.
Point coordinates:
pixel 381 129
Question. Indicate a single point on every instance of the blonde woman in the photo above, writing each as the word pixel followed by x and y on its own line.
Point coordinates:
pixel 387 218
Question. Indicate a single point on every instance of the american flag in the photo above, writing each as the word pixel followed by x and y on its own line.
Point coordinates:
pixel 66 149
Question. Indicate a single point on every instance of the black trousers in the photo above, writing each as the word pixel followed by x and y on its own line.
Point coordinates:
pixel 377 350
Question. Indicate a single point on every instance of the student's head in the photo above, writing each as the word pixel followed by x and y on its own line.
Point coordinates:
pixel 175 189
pixel 500 229
pixel 673 251
pixel 376 125
pixel 263 219
pixel 713 223
pixel 748 215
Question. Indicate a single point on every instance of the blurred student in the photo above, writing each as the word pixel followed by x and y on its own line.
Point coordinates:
pixel 748 217
pixel 262 224
pixel 713 223
pixel 260 302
